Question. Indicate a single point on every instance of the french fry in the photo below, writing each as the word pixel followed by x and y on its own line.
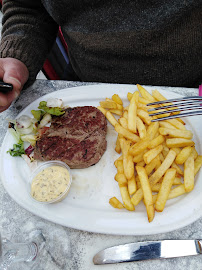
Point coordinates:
pixel 175 192
pixel 195 153
pixel 152 165
pixel 158 164
pixel 175 166
pixel 132 186
pixel 138 182
pixel 123 122
pixel 129 96
pixel 137 197
pixel 128 165
pixel 132 112
pixel 118 147
pixel 108 104
pixel 177 181
pixel 176 149
pixel 116 203
pixel 120 166
pixel 116 161
pixel 152 130
pixel 144 100
pixel 141 128
pixel 126 133
pixel 117 99
pixel 141 163
pixel 162 111
pixel 176 133
pixel 155 177
pixel 139 157
pixel 166 125
pixel 161 157
pixel 165 189
pixel 139 147
pixel 156 187
pixel 144 116
pixel 189 173
pixel 163 168
pixel 177 124
pixel 102 110
pixel 165 150
pixel 118 106
pixel 183 155
pixel 145 94
pixel 116 111
pixel 151 154
pixel 111 118
pixel 125 114
pixel 156 141
pixel 143 107
pixel 197 164
pixel 146 191
pixel 123 186
pixel 179 142
pixel 157 95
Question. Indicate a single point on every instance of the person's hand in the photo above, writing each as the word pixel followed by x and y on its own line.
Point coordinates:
pixel 15 72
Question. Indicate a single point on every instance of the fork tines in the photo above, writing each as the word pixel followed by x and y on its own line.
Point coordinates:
pixel 190 105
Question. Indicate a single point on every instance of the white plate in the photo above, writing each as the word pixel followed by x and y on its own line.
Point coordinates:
pixel 86 206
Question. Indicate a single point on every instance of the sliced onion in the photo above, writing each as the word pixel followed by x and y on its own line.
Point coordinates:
pixel 29 138
pixel 54 102
pixel 24 121
pixel 26 131
pixel 45 120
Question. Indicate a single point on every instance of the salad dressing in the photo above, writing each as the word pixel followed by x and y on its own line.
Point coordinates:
pixel 50 183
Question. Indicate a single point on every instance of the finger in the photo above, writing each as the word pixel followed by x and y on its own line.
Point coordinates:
pixel 10 77
pixel 3 108
pixel 15 72
pixel 7 98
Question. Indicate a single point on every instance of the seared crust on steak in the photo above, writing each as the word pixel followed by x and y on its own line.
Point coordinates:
pixel 77 138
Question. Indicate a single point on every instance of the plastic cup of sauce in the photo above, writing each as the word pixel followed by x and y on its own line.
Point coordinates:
pixel 50 182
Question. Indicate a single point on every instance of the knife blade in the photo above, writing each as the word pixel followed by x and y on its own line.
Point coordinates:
pixel 148 250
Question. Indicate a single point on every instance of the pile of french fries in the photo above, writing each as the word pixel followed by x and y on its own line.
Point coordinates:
pixel 158 160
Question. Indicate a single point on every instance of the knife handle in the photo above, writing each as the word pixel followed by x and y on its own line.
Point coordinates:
pixel 5 87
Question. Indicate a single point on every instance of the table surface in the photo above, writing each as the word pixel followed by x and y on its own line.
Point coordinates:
pixel 68 248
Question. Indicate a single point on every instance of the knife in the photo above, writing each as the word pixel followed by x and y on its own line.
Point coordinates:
pixel 148 250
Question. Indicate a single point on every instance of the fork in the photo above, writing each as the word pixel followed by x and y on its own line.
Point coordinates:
pixel 190 105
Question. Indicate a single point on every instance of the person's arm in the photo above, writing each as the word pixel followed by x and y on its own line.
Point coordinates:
pixel 28 34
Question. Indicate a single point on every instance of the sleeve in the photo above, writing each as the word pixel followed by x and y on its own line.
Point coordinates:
pixel 28 34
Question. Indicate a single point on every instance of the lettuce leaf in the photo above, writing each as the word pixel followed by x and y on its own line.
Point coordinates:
pixel 51 110
pixel 38 114
pixel 17 150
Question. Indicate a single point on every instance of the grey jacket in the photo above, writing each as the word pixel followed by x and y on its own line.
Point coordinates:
pixel 149 42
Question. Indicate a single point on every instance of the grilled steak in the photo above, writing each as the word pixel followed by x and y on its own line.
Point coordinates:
pixel 77 138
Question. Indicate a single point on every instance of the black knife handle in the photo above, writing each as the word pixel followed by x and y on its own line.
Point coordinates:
pixel 5 87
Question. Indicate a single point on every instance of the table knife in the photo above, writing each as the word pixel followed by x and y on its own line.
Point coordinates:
pixel 148 250
pixel 5 87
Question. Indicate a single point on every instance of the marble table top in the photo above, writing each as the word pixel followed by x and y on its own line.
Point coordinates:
pixel 71 249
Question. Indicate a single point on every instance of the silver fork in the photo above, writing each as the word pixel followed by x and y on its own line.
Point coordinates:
pixel 189 105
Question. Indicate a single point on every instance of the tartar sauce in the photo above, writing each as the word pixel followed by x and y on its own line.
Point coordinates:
pixel 50 183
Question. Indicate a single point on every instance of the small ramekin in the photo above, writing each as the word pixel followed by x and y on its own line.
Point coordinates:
pixel 43 166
